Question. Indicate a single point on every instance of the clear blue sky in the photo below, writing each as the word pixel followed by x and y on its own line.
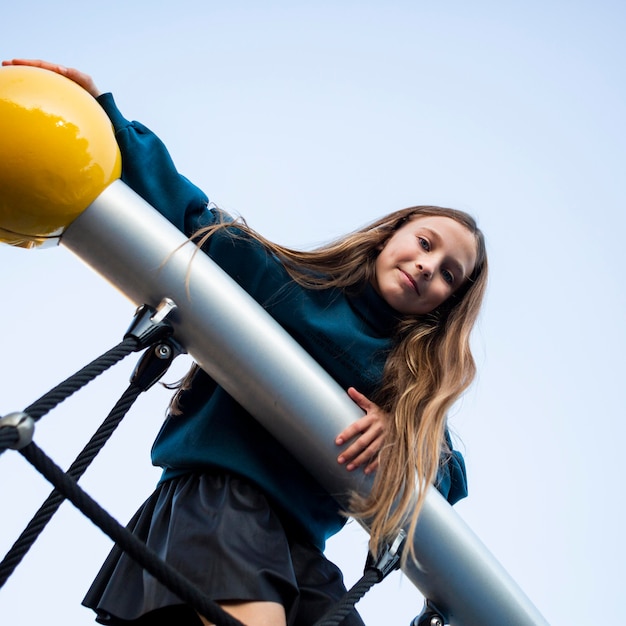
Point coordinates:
pixel 309 119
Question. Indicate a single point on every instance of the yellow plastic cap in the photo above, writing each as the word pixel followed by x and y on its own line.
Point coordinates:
pixel 57 154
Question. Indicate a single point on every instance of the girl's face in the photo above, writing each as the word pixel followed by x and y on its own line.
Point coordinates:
pixel 423 263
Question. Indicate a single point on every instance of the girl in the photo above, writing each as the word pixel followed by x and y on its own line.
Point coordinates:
pixel 388 311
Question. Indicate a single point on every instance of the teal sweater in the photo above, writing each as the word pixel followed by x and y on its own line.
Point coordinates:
pixel 350 335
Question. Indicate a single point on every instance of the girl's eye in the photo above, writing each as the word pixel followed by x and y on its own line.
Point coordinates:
pixel 424 243
pixel 448 276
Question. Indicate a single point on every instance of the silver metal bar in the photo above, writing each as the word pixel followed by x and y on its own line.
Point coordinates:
pixel 145 257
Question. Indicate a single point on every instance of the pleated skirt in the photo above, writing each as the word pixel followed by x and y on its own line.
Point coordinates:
pixel 221 533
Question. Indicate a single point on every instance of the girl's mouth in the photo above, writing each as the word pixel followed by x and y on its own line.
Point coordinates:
pixel 413 283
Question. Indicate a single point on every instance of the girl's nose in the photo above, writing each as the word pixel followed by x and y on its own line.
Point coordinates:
pixel 424 270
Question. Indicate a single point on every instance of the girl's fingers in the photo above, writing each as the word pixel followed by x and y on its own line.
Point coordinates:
pixel 359 399
pixel 372 467
pixel 366 458
pixel 354 429
pixel 363 451
pixel 357 448
pixel 80 78
pixel 369 432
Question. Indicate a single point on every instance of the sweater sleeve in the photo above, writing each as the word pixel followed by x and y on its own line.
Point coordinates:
pixel 452 476
pixel 148 169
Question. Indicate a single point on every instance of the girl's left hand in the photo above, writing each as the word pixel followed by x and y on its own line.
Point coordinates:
pixel 80 78
pixel 369 431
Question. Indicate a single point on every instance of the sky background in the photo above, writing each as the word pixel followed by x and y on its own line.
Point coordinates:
pixel 310 119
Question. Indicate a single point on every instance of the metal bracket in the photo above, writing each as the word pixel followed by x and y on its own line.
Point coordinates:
pixel 150 325
pixel 155 362
pixel 389 559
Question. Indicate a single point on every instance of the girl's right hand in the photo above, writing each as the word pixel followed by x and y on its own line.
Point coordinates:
pixel 80 78
pixel 368 433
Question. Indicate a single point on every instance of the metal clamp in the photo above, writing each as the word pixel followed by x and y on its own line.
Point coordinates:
pixel 25 426
pixel 389 559
pixel 150 325
pixel 155 362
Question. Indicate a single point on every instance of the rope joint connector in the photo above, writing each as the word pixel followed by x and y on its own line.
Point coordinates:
pixel 389 559
pixel 155 362
pixel 24 424
pixel 151 325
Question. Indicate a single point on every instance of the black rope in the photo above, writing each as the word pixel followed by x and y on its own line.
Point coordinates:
pixel 9 434
pixel 8 437
pixel 340 610
pixel 50 506
pixel 85 375
pixel 66 487
pixel 148 559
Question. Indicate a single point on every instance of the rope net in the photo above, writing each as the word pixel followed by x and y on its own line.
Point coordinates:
pixel 16 433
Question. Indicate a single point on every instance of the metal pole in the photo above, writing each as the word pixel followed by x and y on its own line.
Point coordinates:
pixel 249 354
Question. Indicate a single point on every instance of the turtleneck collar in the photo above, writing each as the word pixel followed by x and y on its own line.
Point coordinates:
pixel 373 309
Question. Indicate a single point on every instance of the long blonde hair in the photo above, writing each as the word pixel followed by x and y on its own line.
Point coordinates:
pixel 429 366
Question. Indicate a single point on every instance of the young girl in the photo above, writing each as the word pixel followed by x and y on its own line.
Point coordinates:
pixel 388 311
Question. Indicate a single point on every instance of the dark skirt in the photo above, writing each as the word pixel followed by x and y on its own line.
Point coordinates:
pixel 219 532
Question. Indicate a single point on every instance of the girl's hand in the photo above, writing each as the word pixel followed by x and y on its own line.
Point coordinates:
pixel 84 80
pixel 369 431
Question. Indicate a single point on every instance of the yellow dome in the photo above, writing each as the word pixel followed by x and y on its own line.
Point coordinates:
pixel 57 154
